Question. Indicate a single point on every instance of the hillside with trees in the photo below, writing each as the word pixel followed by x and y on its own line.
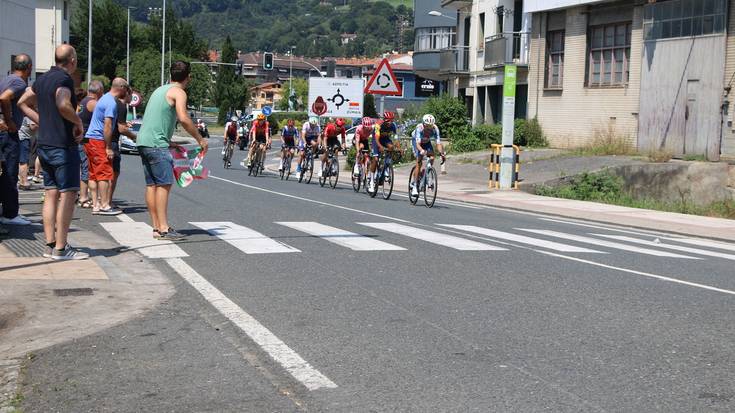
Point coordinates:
pixel 313 26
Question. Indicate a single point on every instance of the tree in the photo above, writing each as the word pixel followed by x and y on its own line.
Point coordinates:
pixel 369 105
pixel 108 35
pixel 231 91
pixel 200 87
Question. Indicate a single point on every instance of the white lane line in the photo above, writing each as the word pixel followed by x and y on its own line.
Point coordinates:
pixel 341 237
pixel 438 238
pixel 139 236
pixel 243 238
pixel 645 274
pixel 299 368
pixel 669 246
pixel 607 228
pixel 308 200
pixel 537 242
pixel 125 218
pixel 608 244
pixel 704 243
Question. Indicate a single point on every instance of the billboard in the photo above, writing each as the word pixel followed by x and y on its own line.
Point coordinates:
pixel 336 97
pixel 426 87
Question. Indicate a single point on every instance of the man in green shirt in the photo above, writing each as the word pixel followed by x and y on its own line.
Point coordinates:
pixel 166 104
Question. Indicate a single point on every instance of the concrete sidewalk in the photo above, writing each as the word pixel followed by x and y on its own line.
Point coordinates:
pixel 45 302
pixel 468 181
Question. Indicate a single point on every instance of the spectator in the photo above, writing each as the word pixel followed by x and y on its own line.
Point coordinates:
pixel 99 148
pixel 86 108
pixel 166 104
pixel 59 132
pixel 11 89
pixel 121 128
pixel 26 134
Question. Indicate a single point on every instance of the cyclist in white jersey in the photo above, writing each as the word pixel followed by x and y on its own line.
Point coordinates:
pixel 422 146
pixel 310 133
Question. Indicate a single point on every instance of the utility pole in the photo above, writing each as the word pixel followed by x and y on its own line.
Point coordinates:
pixel 127 59
pixel 89 46
pixel 163 42
pixel 290 79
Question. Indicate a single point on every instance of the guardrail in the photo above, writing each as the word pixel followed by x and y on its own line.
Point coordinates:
pixel 507 48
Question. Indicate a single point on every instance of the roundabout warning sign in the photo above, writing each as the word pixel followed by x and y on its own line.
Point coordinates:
pixel 335 97
pixel 384 82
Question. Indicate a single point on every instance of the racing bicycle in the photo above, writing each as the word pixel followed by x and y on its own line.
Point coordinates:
pixel 258 161
pixel 330 169
pixel 286 162
pixel 427 184
pixel 384 174
pixel 307 165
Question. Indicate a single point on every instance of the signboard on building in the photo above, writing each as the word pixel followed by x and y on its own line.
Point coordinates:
pixel 426 87
pixel 335 97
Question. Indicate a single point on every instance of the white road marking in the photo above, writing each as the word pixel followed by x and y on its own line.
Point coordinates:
pixel 645 274
pixel 125 218
pixel 669 246
pixel 438 238
pixel 243 238
pixel 537 242
pixel 299 368
pixel 704 243
pixel 605 227
pixel 139 236
pixel 608 244
pixel 341 237
pixel 308 200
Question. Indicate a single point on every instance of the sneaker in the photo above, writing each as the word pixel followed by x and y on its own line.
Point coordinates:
pixel 109 211
pixel 414 191
pixel 68 253
pixel 172 235
pixel 229 164
pixel 18 220
pixel 223 151
pixel 371 186
pixel 280 167
pixel 356 170
pixel 48 250
pixel 37 179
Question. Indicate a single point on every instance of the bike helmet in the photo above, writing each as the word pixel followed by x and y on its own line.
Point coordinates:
pixel 199 120
pixel 261 116
pixel 313 120
pixel 388 116
pixel 429 119
pixel 367 122
pixel 340 122
pixel 234 118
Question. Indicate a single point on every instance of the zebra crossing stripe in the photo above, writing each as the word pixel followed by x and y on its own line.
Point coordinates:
pixel 608 244
pixel 669 246
pixel 704 243
pixel 138 236
pixel 341 237
pixel 438 238
pixel 243 238
pixel 537 242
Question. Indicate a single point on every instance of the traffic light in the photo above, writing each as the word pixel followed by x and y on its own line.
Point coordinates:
pixel 268 61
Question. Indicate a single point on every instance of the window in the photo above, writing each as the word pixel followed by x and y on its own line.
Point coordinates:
pixel 500 12
pixel 434 38
pixel 65 10
pixel 609 55
pixel 683 18
pixel 554 59
pixel 400 83
pixel 481 32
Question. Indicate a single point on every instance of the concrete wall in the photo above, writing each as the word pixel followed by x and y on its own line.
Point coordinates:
pixel 681 97
pixel 17 31
pixel 52 29
pixel 728 134
pixel 573 116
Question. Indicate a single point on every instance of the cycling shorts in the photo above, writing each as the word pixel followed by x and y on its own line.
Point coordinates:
pixel 383 141
pixel 261 138
pixel 427 146
pixel 365 144
pixel 331 142
pixel 288 142
pixel 310 139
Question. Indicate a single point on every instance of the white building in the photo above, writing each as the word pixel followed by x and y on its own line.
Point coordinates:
pixel 17 31
pixel 52 29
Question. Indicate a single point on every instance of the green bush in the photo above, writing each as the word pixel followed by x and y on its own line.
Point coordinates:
pixel 598 186
pixel 464 140
pixel 351 154
pixel 488 134
pixel 450 114
pixel 535 135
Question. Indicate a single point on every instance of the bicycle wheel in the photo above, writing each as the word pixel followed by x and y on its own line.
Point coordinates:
pixel 412 198
pixel 431 188
pixel 357 180
pixel 334 173
pixel 310 167
pixel 228 156
pixel 388 182
pixel 287 166
pixel 325 172
pixel 283 168
pixel 303 170
pixel 255 165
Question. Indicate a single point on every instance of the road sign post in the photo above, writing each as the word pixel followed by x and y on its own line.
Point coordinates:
pixel 509 109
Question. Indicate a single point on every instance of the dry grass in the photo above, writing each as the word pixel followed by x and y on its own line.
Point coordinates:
pixel 660 156
pixel 606 141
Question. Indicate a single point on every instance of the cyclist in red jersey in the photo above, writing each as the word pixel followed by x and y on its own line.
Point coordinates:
pixel 363 135
pixel 330 139
pixel 260 134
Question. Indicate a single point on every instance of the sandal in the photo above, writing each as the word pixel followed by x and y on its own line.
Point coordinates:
pixel 85 204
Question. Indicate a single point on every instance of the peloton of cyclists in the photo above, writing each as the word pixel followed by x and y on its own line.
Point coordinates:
pixel 289 138
pixel 422 147
pixel 330 139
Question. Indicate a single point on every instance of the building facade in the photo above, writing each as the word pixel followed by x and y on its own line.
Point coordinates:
pixel 17 31
pixel 52 29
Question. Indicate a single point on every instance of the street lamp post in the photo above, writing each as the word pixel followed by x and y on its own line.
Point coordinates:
pixel 163 42
pixel 436 13
pixel 89 46
pixel 290 79
pixel 127 59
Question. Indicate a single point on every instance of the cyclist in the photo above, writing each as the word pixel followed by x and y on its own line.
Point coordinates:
pixel 363 135
pixel 243 131
pixel 309 137
pixel 422 146
pixel 382 141
pixel 260 134
pixel 289 135
pixel 330 139
pixel 230 133
pixel 202 128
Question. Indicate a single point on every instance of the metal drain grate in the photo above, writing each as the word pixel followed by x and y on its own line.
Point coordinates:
pixel 26 241
pixel 73 292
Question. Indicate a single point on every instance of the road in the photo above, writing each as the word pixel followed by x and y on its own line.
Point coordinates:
pixel 327 300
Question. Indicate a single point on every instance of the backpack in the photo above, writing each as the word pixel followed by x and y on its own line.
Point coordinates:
pixel 232 130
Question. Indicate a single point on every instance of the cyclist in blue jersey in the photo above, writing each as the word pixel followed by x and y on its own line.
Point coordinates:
pixel 422 146
pixel 382 141
pixel 289 136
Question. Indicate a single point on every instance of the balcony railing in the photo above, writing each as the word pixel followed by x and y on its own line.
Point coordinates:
pixel 455 59
pixel 507 48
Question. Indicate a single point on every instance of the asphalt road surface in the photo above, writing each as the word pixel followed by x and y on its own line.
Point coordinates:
pixel 327 300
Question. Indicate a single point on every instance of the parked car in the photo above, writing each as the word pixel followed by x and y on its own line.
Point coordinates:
pixel 127 145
